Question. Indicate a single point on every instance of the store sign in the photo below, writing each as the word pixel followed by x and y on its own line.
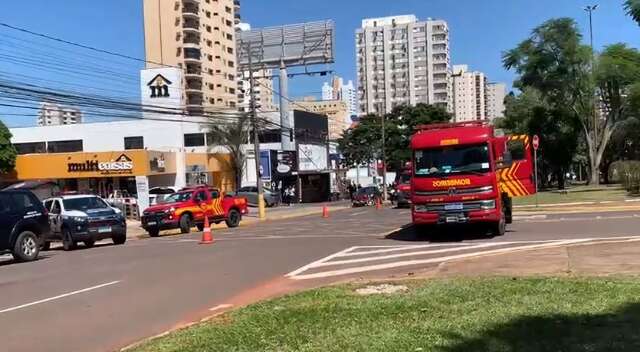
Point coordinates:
pixel 285 162
pixel 312 157
pixel 122 165
pixel 265 165
pixel 159 87
pixel 157 164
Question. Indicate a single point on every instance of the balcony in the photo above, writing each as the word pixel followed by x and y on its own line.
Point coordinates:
pixel 191 11
pixel 191 40
pixel 191 26
pixel 194 85
pixel 191 2
pixel 192 55
pixel 193 71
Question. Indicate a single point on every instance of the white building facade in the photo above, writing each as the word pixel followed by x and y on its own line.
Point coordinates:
pixel 496 92
pixel 469 94
pixel 52 114
pixel 403 61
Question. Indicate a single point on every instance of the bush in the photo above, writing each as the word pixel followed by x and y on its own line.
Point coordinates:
pixel 628 173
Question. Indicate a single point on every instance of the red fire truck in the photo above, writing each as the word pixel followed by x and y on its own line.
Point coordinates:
pixel 468 173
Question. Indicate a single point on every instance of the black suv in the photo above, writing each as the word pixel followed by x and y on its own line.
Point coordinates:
pixel 24 223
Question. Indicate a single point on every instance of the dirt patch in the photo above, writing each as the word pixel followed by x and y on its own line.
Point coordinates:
pixel 384 289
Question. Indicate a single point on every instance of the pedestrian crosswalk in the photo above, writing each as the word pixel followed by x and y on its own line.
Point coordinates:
pixel 368 259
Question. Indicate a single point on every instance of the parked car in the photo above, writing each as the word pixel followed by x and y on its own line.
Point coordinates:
pixel 83 218
pixel 157 195
pixel 186 209
pixel 366 196
pixel 24 224
pixel 271 198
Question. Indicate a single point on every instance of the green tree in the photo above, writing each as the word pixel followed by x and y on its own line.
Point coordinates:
pixel 233 136
pixel 7 150
pixel 555 63
pixel 363 143
pixel 558 130
pixel 633 9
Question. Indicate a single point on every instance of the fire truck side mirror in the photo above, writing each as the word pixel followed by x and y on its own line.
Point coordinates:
pixel 507 160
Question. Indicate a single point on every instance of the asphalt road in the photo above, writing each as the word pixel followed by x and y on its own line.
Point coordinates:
pixel 103 298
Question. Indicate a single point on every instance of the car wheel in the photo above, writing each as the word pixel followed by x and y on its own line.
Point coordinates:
pixel 89 243
pixel 154 232
pixel 233 219
pixel 120 239
pixel 26 248
pixel 185 223
pixel 46 246
pixel 68 244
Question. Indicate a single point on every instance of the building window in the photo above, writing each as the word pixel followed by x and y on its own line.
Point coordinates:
pixel 64 146
pixel 133 143
pixel 194 140
pixel 31 148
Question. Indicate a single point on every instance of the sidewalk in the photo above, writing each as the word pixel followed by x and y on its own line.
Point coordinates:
pixel 614 257
pixel 135 231
pixel 577 207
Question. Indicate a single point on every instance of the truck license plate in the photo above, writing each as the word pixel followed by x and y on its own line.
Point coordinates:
pixel 453 206
pixel 151 223
pixel 104 230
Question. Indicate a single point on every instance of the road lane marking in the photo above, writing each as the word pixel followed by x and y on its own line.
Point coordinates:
pixel 220 307
pixel 11 309
pixel 408 254
pixel 401 248
pixel 377 267
pixel 359 213
pixel 321 260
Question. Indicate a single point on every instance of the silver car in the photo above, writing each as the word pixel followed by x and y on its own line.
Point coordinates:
pixel 271 198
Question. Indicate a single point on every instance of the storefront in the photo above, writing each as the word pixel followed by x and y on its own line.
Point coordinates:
pixel 122 174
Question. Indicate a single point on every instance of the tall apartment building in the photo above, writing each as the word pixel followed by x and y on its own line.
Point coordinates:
pixel 262 90
pixel 402 61
pixel 469 94
pixel 199 37
pixel 51 114
pixel 496 92
pixel 337 90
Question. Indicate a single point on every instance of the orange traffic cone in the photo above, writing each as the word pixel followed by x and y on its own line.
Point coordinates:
pixel 378 204
pixel 207 235
pixel 325 212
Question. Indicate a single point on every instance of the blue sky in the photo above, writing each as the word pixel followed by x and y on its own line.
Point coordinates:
pixel 480 31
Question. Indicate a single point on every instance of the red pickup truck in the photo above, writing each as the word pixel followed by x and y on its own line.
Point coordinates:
pixel 187 208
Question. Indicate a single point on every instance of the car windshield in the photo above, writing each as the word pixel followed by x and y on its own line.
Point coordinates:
pixel 84 204
pixel 452 160
pixel 178 197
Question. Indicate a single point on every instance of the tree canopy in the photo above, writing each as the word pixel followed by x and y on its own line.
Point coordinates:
pixel 633 9
pixel 7 150
pixel 363 143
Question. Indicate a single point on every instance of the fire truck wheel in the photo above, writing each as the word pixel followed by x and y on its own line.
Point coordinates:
pixel 499 228
pixel 233 219
pixel 185 223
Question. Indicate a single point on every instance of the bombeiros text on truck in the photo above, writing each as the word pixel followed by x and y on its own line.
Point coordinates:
pixel 468 172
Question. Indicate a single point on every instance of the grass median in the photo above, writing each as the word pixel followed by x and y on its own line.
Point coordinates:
pixel 575 195
pixel 461 315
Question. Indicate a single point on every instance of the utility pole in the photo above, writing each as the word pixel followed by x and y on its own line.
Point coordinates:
pixel 590 10
pixel 385 196
pixel 256 139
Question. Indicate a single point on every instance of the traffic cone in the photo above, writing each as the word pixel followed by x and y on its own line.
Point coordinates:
pixel 207 235
pixel 378 204
pixel 325 212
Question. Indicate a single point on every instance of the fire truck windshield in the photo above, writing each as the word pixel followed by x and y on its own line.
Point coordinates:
pixel 452 160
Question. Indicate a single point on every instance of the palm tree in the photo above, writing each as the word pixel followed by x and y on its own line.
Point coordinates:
pixel 233 136
pixel 633 9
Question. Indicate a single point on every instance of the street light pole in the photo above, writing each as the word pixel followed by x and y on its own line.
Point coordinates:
pixel 590 9
pixel 256 139
pixel 384 158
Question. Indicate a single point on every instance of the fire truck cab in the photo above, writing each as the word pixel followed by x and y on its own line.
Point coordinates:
pixel 468 173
